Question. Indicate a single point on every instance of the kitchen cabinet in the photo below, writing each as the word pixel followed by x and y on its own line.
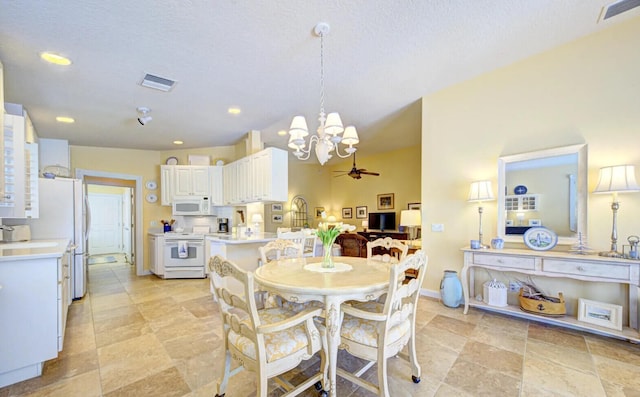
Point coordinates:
pixel 155 254
pixel 184 181
pixel 557 265
pixel 191 180
pixel 263 176
pixel 34 301
pixel 19 197
pixel 166 184
pixel 216 185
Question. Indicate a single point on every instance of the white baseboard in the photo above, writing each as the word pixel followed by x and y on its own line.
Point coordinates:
pixel 430 293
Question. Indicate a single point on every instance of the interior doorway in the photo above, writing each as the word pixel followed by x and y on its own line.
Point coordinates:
pixel 111 221
pixel 128 188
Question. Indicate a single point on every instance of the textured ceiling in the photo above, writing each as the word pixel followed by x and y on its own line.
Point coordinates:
pixel 381 56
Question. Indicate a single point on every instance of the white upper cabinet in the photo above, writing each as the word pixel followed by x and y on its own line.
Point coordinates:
pixel 190 180
pixel 263 176
pixel 216 186
pixel 166 184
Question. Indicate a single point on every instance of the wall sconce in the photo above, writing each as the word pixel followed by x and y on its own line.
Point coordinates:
pixel 480 191
pixel 616 179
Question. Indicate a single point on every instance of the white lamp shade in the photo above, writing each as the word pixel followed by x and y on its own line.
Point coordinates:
pixel 256 218
pixel 410 218
pixel 481 191
pixel 331 218
pixel 299 127
pixel 365 224
pixel 350 136
pixel 617 179
pixel 333 125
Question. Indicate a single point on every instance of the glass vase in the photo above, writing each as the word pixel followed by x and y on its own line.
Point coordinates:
pixel 327 256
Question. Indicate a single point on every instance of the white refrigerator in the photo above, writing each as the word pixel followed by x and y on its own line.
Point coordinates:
pixel 64 213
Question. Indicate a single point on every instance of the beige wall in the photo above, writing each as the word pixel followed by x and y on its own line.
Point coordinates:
pixel 585 92
pixel 399 174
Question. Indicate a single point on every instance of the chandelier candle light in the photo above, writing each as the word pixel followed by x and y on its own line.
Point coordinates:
pixel 478 192
pixel 616 179
pixel 330 128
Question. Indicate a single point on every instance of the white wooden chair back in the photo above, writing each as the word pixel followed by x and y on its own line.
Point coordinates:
pixel 396 249
pixel 280 248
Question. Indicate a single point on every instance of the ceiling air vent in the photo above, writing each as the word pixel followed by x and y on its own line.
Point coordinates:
pixel 156 82
pixel 619 7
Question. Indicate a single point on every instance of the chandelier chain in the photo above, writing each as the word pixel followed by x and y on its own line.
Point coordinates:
pixel 322 75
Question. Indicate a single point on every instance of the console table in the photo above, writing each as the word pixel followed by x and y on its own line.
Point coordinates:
pixel 588 268
pixel 376 235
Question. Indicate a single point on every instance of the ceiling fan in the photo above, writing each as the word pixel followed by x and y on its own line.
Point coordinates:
pixel 356 173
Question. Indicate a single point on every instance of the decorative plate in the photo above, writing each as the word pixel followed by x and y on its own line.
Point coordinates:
pixel 540 238
pixel 151 185
pixel 172 161
pixel 520 189
pixel 151 198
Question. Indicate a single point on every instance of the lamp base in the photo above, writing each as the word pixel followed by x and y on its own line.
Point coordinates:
pixel 611 254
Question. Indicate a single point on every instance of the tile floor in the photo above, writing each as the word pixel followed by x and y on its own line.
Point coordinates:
pixel 143 336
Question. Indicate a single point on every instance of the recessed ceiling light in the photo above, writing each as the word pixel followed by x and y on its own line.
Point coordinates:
pixel 282 132
pixel 234 110
pixel 178 142
pixel 55 59
pixel 65 119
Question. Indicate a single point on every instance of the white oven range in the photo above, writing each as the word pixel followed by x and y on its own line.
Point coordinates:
pixel 183 255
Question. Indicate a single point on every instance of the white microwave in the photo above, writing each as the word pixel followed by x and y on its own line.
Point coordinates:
pixel 191 206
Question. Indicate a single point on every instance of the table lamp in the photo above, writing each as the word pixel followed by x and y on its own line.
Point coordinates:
pixel 616 179
pixel 365 225
pixel 256 219
pixel 410 219
pixel 478 192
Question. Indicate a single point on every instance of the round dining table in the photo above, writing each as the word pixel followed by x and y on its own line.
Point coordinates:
pixel 303 280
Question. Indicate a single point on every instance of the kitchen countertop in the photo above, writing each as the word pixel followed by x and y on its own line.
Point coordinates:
pixel 231 238
pixel 241 238
pixel 32 249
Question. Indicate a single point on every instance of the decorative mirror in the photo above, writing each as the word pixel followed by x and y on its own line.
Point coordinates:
pixel 543 188
pixel 299 214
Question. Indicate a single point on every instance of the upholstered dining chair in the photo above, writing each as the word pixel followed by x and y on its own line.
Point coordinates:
pixel 307 240
pixel 280 248
pixel 267 341
pixel 274 250
pixel 388 248
pixel 375 331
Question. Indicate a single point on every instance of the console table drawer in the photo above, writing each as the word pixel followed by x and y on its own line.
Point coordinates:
pixel 586 269
pixel 516 262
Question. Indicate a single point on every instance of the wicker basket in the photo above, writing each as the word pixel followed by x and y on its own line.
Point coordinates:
pixel 544 307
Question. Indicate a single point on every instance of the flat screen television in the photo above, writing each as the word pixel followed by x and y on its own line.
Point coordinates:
pixel 382 221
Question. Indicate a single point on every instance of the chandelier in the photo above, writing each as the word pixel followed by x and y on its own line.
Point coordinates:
pixel 330 129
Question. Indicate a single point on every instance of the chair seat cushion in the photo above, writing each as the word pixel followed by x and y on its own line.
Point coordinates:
pixel 277 301
pixel 277 344
pixel 365 331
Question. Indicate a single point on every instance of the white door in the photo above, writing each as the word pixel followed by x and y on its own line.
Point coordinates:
pixel 106 223
pixel 127 222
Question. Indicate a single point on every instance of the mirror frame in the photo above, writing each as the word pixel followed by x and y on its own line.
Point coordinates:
pixel 581 204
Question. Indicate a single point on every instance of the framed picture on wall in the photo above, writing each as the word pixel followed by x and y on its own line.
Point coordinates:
pixel 414 206
pixel 361 212
pixel 346 213
pixel 276 218
pixel 277 207
pixel 385 201
pixel 318 211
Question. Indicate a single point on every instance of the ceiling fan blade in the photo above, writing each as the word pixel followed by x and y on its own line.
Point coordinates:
pixel 370 173
pixel 346 173
pixel 341 171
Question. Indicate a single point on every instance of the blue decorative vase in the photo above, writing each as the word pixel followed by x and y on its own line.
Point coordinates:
pixel 451 289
